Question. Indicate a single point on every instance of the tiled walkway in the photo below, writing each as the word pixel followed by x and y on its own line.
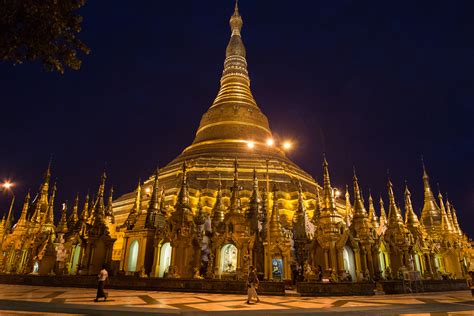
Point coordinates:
pixel 34 300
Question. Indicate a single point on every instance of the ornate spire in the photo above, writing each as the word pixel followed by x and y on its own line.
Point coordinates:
pixel 431 214
pixel 446 224
pixel 153 206
pixel 48 222
pixel 349 209
pixel 85 210
pixel 218 210
pixel 253 211
pixel 410 217
pixel 275 225
pixel 328 194
pixel 235 198
pixel 138 198
pixel 73 218
pixel 109 208
pixel 383 215
pixel 359 208
pixel 372 214
pixel 456 227
pixel 183 195
pixel 317 208
pixel 99 205
pixel 223 122
pixel 24 210
pixel 200 217
pixel 394 215
pixel 300 217
pixel 62 225
pixel 450 215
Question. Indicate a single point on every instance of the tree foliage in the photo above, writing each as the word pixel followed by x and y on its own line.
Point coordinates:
pixel 42 30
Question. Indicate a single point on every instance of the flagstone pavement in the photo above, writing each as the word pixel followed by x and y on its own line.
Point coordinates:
pixel 36 300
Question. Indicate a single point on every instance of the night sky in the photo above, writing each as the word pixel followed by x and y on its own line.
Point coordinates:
pixel 371 83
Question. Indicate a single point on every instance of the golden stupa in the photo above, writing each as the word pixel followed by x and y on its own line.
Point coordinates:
pixel 233 127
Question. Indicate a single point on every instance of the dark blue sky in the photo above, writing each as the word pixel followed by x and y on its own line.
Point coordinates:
pixel 371 83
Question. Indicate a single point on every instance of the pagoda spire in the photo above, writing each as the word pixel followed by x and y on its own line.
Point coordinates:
pixel 300 217
pixel 410 217
pixel 383 215
pixel 235 199
pixel 85 210
pixel 394 214
pixel 349 209
pixel 275 224
pixel 359 208
pixel 62 225
pixel 317 208
pixel 328 194
pixel 109 211
pixel 183 195
pixel 372 214
pixel 456 227
pixel 233 99
pixel 199 217
pixel 450 215
pixel 24 210
pixel 73 218
pixel 138 198
pixel 446 224
pixel 218 210
pixel 431 214
pixel 253 211
pixel 153 206
pixel 48 222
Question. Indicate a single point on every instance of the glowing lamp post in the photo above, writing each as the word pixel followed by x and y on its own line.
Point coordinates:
pixel 7 186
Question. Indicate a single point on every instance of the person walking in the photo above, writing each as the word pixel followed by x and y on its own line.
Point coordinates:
pixel 103 276
pixel 252 284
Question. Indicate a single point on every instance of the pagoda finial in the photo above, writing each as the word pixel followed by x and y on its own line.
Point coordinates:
pixel 410 217
pixel 75 209
pixel 218 210
pixel 24 210
pixel 275 225
pixel 431 213
pixel 235 199
pixel 359 208
pixel 372 214
pixel 154 199
pixel 62 225
pixel 236 21
pixel 394 215
pixel 383 214
pixel 49 216
pixel 446 222
pixel 329 201
pixel 138 196
pixel 183 195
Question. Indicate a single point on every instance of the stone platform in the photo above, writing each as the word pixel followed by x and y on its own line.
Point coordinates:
pixel 335 289
pixel 400 287
pixel 152 284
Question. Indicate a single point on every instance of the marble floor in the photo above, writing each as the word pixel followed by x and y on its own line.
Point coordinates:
pixel 35 300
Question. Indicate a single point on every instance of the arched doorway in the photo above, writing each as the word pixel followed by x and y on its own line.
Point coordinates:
pixel 133 256
pixel 349 265
pixel 383 262
pixel 228 258
pixel 75 259
pixel 165 259
pixel 36 267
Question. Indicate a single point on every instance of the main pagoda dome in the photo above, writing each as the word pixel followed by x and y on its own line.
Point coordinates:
pixel 232 122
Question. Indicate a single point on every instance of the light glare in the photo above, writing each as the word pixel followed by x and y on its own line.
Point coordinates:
pixel 7 185
pixel 287 145
pixel 250 144
pixel 270 142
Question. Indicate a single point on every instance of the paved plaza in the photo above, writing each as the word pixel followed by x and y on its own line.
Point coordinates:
pixel 34 300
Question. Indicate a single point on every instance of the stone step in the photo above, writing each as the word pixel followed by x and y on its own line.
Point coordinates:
pixel 292 293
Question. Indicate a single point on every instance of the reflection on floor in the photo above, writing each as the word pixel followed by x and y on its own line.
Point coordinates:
pixel 34 300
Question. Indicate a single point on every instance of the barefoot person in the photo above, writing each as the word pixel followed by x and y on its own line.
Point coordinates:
pixel 103 276
pixel 252 283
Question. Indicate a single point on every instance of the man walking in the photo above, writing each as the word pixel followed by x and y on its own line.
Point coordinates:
pixel 103 276
pixel 252 284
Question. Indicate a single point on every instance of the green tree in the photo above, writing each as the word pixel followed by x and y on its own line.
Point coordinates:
pixel 42 30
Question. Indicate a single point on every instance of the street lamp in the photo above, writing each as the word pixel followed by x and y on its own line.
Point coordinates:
pixel 270 142
pixel 7 186
pixel 287 145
